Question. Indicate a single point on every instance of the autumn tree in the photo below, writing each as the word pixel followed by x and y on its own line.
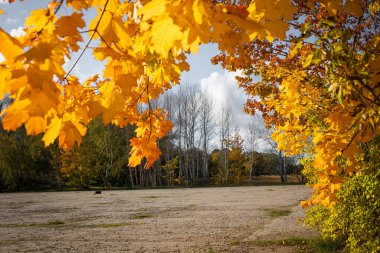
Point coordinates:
pixel 236 158
pixel 207 125
pixel 319 89
pixel 252 146
pixel 225 133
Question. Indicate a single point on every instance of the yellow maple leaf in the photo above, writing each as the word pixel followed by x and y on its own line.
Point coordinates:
pixel 40 20
pixel 164 34
pixel 153 8
pixel 77 4
pixel 16 114
pixel 354 7
pixel 71 132
pixel 68 25
pixel 53 131
pixel 35 125
pixel 39 53
pixel 9 46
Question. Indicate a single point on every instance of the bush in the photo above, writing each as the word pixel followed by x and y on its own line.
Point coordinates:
pixel 355 218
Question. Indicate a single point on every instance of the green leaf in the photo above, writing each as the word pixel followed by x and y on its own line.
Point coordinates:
pixel 338 47
pixel 340 95
pixel 307 61
pixel 319 55
pixel 295 49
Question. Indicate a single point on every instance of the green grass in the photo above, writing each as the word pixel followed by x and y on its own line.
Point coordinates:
pixel 56 222
pixel 211 250
pixel 265 243
pixel 279 212
pixel 141 216
pixel 9 242
pixel 315 245
pixel 23 225
pixel 105 203
pixel 150 197
pixel 234 242
pixel 112 225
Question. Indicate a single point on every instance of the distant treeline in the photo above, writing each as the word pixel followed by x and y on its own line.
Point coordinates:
pixel 102 160
pixel 187 158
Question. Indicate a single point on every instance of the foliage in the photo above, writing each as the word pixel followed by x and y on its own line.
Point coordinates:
pixel 355 218
pixel 24 162
pixel 170 168
pixel 101 159
pixel 319 87
pixel 237 158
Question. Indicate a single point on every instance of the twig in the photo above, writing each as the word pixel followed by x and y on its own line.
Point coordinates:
pixel 89 41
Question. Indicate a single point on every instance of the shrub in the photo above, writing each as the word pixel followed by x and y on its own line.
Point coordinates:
pixel 356 217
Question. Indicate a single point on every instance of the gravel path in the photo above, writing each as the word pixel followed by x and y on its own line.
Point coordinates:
pixel 226 219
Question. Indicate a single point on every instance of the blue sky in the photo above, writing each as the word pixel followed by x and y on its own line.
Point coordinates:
pixel 218 83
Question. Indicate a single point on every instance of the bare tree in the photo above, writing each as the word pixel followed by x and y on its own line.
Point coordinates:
pixel 265 135
pixel 207 125
pixel 225 132
pixel 187 111
pixel 252 143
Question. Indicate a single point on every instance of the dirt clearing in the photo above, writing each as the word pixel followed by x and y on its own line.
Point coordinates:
pixel 226 219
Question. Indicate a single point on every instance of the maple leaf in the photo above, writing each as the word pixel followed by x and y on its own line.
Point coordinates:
pixel 164 34
pixel 35 125
pixel 71 133
pixel 9 46
pixel 15 115
pixel 39 53
pixel 77 4
pixel 52 131
pixel 152 9
pixel 354 7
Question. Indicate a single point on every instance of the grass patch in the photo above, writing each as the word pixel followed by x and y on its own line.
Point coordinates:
pixel 105 203
pixel 328 245
pixel 150 197
pixel 211 250
pixel 315 245
pixel 141 216
pixel 50 223
pixel 275 213
pixel 56 222
pixel 234 242
pixel 112 225
pixel 9 242
pixel 265 243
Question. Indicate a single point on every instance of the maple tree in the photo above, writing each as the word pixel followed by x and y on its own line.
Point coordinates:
pixel 319 87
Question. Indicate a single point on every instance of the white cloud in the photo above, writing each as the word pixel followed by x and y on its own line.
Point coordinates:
pixel 11 21
pixel 224 90
pixel 1 58
pixel 17 32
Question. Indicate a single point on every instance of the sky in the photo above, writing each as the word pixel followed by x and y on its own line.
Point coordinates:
pixel 218 83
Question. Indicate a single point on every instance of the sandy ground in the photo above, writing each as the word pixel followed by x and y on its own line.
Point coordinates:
pixel 229 219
